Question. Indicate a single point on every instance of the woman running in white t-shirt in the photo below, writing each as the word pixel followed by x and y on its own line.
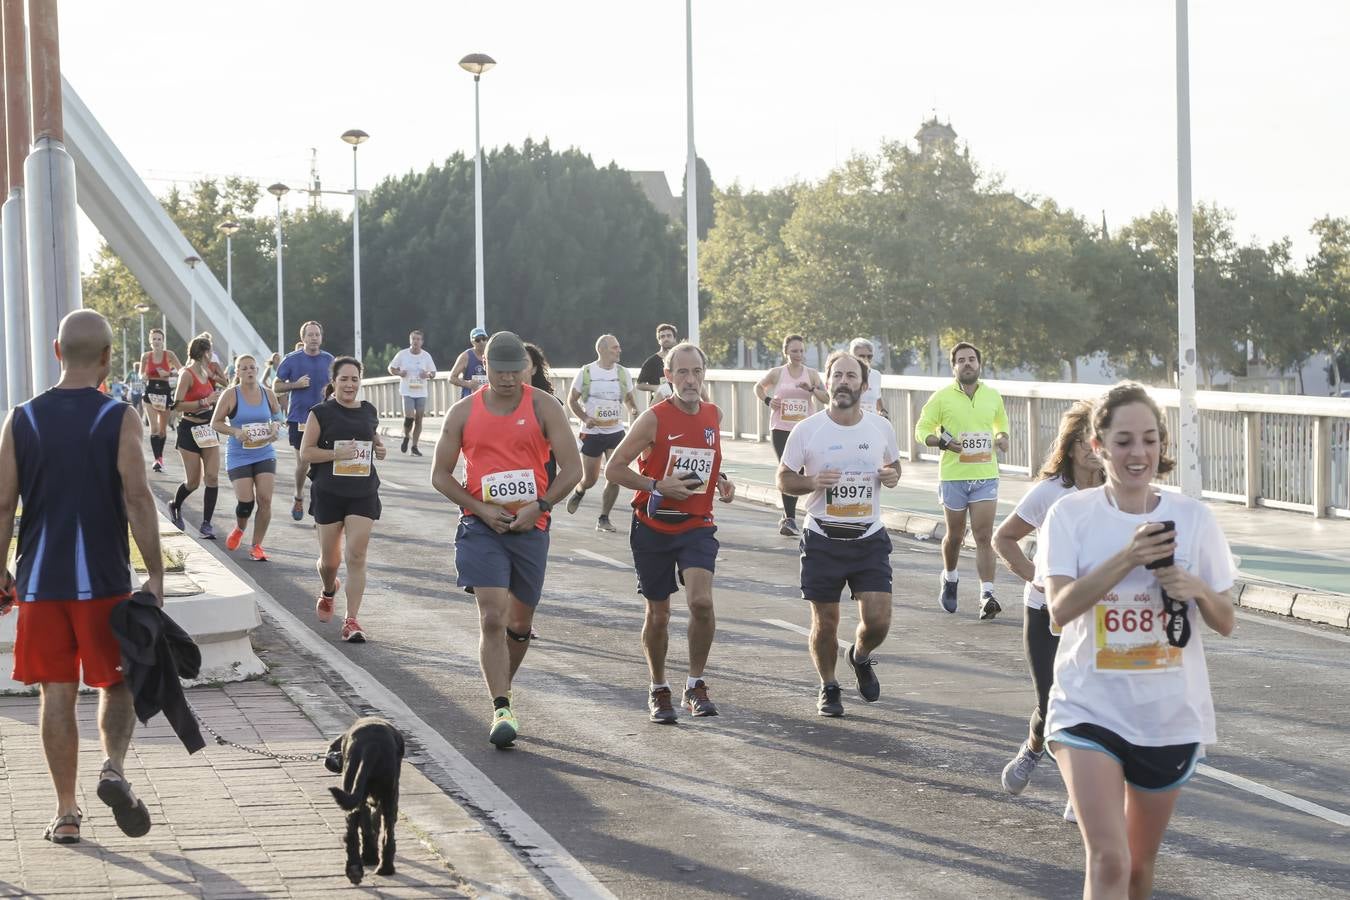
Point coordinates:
pixel 1072 466
pixel 1130 572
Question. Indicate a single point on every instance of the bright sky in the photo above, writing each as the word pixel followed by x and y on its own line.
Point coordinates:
pixel 1068 99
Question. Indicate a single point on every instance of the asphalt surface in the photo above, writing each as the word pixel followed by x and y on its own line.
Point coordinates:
pixel 898 798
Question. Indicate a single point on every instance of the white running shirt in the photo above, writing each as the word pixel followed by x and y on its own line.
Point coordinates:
pixel 604 401
pixel 1032 509
pixel 417 368
pixel 1114 668
pixel 873 392
pixel 858 451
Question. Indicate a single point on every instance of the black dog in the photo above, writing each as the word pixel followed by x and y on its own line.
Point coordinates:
pixel 369 756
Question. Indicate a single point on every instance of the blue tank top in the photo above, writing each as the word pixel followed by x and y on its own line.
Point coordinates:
pixel 471 368
pixel 73 536
pixel 244 414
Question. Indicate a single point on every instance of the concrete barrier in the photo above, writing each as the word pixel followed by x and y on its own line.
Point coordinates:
pixel 1329 609
pixel 207 600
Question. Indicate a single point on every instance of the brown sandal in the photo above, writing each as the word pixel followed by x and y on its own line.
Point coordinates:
pixel 67 821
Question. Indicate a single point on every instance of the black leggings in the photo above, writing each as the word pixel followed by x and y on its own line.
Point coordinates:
pixel 1041 647
pixel 779 442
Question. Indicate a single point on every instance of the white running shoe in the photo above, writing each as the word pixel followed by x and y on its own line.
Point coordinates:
pixel 1068 813
pixel 1017 773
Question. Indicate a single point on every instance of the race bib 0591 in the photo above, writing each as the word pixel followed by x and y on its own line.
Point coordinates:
pixel 795 409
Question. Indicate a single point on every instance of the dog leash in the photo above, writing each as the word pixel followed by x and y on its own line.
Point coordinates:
pixel 257 751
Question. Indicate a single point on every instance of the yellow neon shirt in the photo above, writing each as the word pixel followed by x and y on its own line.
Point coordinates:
pixel 973 421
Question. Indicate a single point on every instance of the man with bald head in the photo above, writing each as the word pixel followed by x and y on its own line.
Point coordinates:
pixel 74 457
pixel 599 394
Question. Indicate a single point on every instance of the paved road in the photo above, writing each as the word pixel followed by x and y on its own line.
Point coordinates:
pixel 899 798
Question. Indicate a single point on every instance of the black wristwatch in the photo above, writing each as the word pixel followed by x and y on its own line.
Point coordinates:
pixel 544 505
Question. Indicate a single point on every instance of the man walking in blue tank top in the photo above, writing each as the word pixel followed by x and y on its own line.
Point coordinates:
pixel 74 456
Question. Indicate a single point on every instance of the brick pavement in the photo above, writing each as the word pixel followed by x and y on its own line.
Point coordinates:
pixel 226 823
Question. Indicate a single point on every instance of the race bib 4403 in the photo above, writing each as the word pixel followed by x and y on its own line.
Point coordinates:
pixel 698 460
pixel 512 489
pixel 1130 635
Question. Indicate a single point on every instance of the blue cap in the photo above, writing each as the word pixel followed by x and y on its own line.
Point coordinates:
pixel 477 333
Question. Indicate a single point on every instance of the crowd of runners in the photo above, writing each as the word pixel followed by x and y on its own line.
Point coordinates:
pixel 1122 577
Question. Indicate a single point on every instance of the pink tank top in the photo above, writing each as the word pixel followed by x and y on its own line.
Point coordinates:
pixel 796 401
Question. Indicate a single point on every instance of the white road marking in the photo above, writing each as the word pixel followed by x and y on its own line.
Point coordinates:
pixel 599 557
pixel 1237 781
pixel 1289 800
pixel 1290 626
pixel 569 876
pixel 797 628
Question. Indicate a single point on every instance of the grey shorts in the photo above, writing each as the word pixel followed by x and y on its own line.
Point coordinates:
pixel 413 405
pixel 515 560
pixel 957 495
pixel 253 470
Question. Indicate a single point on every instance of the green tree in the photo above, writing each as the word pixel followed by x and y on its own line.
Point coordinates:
pixel 1328 292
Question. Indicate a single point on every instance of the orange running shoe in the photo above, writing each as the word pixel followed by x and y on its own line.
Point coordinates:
pixel 323 608
pixel 257 554
pixel 351 631
pixel 234 539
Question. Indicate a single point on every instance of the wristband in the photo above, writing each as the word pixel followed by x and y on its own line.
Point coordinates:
pixel 652 489
pixel 767 400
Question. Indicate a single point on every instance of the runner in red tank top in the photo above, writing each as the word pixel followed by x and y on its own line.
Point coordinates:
pixel 501 547
pixel 673 533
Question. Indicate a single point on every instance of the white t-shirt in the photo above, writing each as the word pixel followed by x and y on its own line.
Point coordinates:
pixel 873 392
pixel 603 400
pixel 858 451
pixel 1032 509
pixel 417 368
pixel 1114 668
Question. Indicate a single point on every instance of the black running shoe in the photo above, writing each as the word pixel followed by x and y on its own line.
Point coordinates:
pixel 697 702
pixel 831 701
pixel 989 607
pixel 661 710
pixel 868 685
pixel 415 451
pixel 947 599
pixel 403 447
pixel 175 516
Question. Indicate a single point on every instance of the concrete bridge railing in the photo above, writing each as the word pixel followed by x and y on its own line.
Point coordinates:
pixel 1270 450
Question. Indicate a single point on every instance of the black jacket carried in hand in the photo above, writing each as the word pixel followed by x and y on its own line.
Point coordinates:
pixel 156 652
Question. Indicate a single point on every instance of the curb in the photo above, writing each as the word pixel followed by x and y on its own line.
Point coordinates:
pixel 1308 606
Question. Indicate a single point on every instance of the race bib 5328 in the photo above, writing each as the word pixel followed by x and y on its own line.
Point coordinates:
pixel 512 489
pixel 1130 635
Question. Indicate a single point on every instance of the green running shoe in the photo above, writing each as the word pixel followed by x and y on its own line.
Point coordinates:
pixel 504 728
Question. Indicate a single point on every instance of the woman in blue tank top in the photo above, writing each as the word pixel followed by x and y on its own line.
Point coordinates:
pixel 251 461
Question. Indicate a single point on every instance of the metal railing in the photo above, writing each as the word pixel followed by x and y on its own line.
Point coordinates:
pixel 1257 449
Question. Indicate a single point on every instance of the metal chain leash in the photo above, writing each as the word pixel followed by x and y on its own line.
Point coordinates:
pixel 257 751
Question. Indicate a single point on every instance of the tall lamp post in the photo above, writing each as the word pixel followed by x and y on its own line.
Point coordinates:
pixel 142 310
pixel 1189 415
pixel 228 228
pixel 192 296
pixel 279 190
pixel 691 175
pixel 476 64
pixel 356 137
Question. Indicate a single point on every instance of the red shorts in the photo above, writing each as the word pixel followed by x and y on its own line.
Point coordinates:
pixel 56 637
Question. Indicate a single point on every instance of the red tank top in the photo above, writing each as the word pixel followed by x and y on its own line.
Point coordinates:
pixel 685 443
pixel 157 370
pixel 200 389
pixel 506 457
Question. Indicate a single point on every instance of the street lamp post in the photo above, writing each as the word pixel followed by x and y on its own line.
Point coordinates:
pixel 691 176
pixel 356 137
pixel 192 295
pixel 142 309
pixel 1190 474
pixel 228 228
pixel 278 190
pixel 477 64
